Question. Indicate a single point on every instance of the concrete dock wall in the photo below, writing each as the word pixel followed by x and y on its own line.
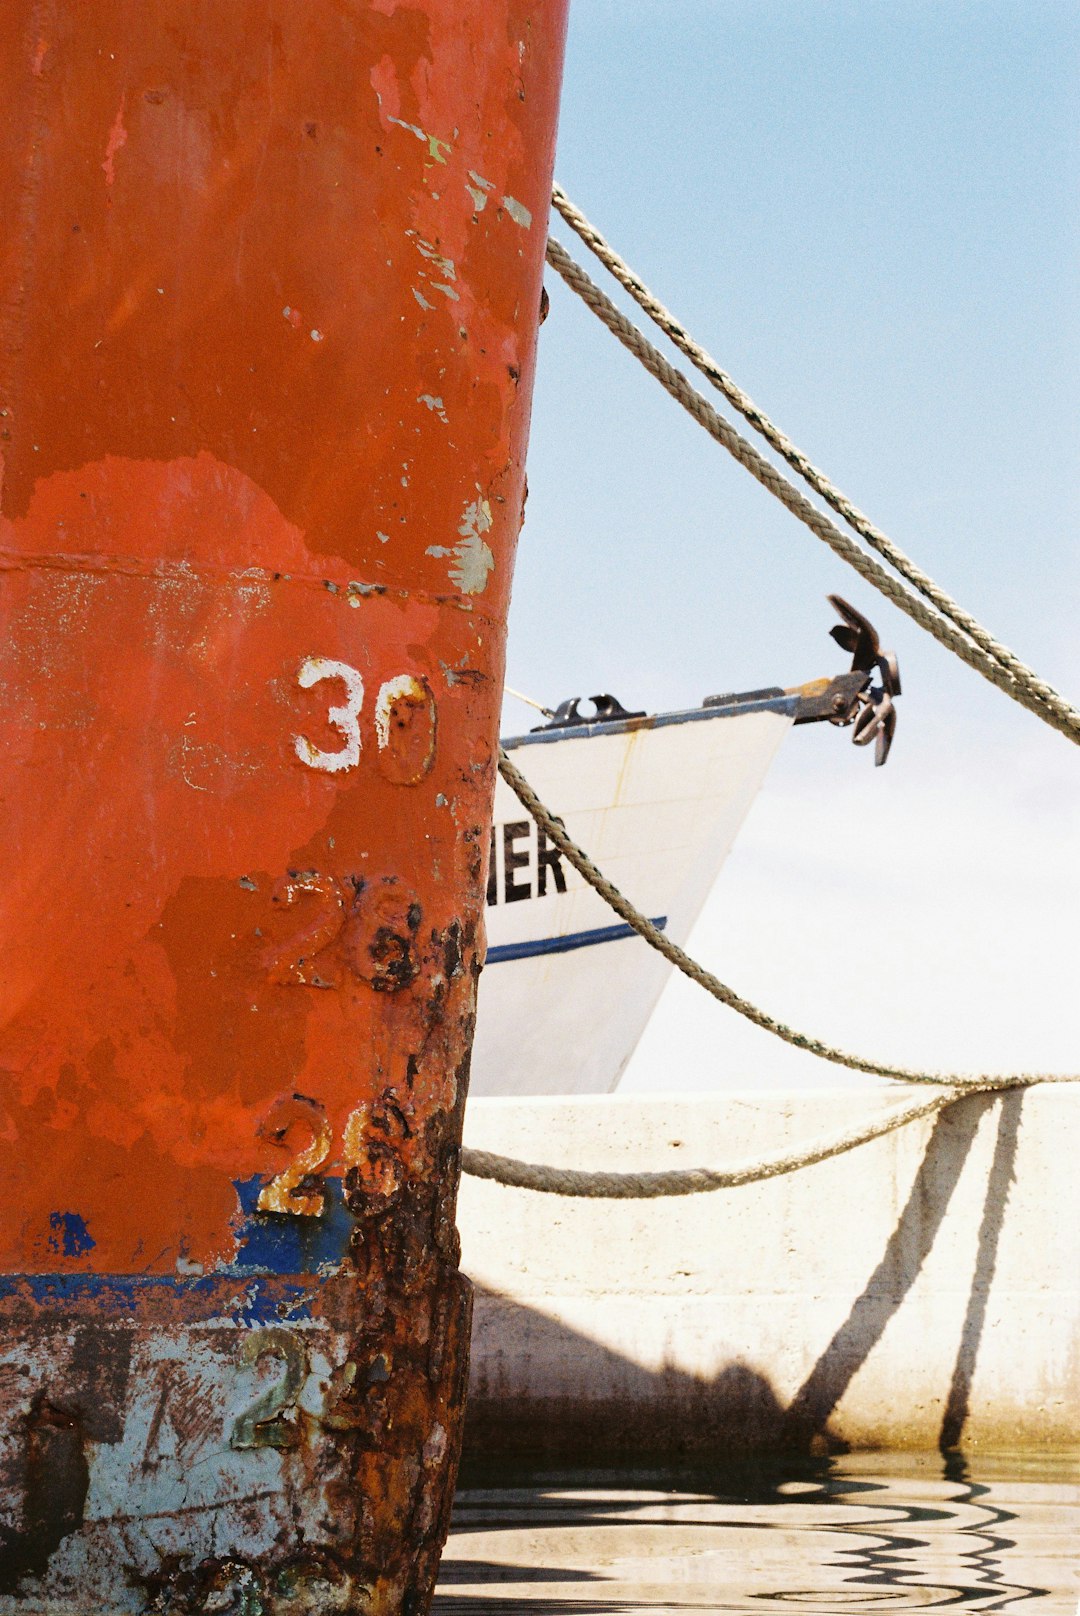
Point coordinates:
pixel 922 1291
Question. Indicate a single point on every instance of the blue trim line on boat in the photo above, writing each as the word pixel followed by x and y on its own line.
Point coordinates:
pixel 565 944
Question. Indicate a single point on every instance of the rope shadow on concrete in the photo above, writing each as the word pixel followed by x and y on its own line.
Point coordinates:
pixel 883 1295
pixel 999 1181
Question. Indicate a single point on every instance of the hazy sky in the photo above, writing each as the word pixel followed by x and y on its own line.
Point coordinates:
pixel 868 212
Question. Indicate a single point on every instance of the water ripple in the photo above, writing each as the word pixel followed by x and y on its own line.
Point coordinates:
pixel 815 1538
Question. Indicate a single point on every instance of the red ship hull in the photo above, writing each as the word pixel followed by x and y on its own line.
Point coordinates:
pixel 271 282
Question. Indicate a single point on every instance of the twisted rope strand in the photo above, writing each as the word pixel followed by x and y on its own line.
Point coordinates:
pixel 556 832
pixel 856 519
pixel 692 1180
pixel 1058 714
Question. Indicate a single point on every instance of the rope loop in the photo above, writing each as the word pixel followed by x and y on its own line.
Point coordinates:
pixel 693 1180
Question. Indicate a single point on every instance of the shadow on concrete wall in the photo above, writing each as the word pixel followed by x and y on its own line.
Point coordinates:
pixel 1002 1175
pixel 643 1411
pixel 738 1411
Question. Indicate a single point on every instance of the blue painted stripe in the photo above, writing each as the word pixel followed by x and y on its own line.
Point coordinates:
pixel 223 1294
pixel 565 944
pixel 278 1261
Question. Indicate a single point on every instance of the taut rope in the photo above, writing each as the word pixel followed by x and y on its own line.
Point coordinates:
pixel 818 481
pixel 1050 707
pixel 949 624
pixel 624 1186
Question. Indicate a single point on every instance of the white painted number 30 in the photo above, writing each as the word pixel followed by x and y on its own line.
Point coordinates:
pixel 345 719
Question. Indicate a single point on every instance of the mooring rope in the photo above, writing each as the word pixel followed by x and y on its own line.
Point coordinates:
pixel 949 624
pixel 1051 708
pixel 692 1180
pixel 801 463
pixel 556 832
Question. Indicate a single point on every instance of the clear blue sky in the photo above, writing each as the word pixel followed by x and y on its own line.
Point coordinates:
pixel 868 212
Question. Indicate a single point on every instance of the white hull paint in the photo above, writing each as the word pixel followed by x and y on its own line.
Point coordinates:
pixel 567 990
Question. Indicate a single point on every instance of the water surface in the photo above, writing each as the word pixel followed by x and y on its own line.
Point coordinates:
pixel 868 1533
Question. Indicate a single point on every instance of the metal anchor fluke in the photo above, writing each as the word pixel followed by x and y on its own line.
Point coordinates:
pixel 872 714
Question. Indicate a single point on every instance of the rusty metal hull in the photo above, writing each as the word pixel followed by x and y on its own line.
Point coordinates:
pixel 270 284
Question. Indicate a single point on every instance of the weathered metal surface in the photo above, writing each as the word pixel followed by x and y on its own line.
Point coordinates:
pixel 270 284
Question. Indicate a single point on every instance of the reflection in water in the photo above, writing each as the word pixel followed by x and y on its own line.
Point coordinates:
pixel 862 1533
pixel 899 1550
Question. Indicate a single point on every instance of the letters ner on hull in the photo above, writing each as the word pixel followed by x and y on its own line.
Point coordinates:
pixel 269 289
pixel 657 803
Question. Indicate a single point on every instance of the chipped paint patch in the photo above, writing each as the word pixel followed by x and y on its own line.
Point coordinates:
pixel 478 190
pixel 117 139
pixel 474 558
pixel 445 267
pixel 406 685
pixel 429 251
pixel 435 405
pixel 435 146
pixel 70 1236
pixel 421 299
pixel 405 726
pixel 517 211
pixel 439 550
pixel 413 128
